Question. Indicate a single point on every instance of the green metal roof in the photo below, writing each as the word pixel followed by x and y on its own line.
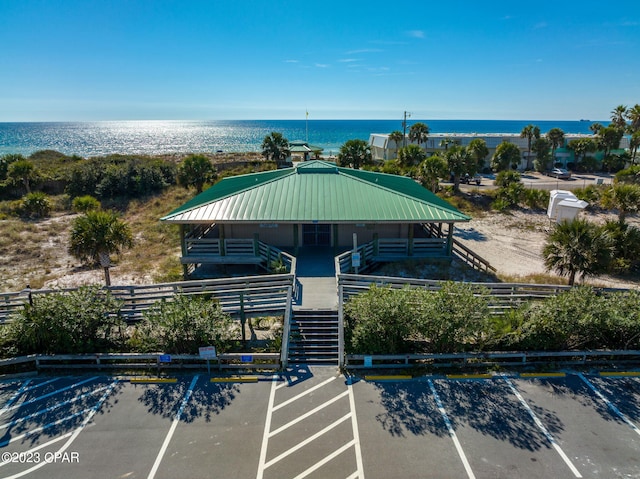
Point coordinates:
pixel 316 191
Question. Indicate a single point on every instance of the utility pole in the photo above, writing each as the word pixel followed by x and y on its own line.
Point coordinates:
pixel 404 128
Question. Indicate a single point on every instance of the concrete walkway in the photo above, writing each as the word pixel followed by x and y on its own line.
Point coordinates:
pixel 316 275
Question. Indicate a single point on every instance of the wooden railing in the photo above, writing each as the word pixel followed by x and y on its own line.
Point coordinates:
pixel 136 361
pixel 251 294
pixel 501 295
pixel 460 251
pixel 489 359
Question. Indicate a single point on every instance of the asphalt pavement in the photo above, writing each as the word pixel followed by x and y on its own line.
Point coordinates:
pixel 317 423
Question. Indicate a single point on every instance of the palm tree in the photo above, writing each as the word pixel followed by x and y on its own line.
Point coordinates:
pixel 354 153
pixel 478 149
pixel 275 147
pixel 97 234
pixel 23 171
pixel 618 116
pixel 633 115
pixel 622 197
pixel 577 247
pixel 556 137
pixel 431 170
pixel 634 144
pixel 595 127
pixel 580 148
pixel 196 170
pixel 411 155
pixel 530 132
pixel 459 161
pixel 418 133
pixel 448 141
pixel 397 137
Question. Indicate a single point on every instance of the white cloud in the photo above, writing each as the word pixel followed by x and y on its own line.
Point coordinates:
pixel 291 61
pixel 416 33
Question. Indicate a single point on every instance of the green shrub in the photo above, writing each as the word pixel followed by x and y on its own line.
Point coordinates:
pixel 36 205
pixel 379 321
pixel 81 321
pixel 535 199
pixel 82 204
pixel 628 175
pixel 507 178
pixel 183 324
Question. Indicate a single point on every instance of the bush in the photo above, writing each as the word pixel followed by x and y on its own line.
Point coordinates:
pixel 536 199
pixel 582 319
pixel 85 203
pixel 81 321
pixel 120 177
pixel 628 175
pixel 183 324
pixel 378 321
pixel 452 319
pixel 385 320
pixel 36 205
pixel 506 178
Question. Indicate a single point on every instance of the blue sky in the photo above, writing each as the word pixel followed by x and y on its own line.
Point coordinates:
pixel 231 59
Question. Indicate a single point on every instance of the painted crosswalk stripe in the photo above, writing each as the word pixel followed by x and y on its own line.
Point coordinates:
pixel 452 432
pixel 303 394
pixel 542 427
pixel 310 439
pixel 308 414
pixel 324 461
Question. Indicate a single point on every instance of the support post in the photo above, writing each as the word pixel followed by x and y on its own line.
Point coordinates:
pixel 340 327
pixel 410 235
pixel 295 240
pixel 450 240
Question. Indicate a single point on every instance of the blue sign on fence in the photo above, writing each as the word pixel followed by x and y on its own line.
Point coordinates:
pixel 246 358
pixel 164 358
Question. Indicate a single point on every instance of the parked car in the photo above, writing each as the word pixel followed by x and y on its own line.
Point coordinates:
pixel 468 179
pixel 560 173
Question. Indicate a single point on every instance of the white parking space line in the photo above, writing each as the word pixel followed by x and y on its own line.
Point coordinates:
pixel 267 429
pixel 12 399
pixel 452 432
pixel 42 428
pixel 542 427
pixel 609 404
pixel 74 433
pixel 308 414
pixel 41 446
pixel 167 439
pixel 52 393
pixel 356 435
pixel 303 394
pixel 51 408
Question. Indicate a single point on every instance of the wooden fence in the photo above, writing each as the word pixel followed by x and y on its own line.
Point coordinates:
pixel 134 361
pixel 501 295
pixel 484 359
pixel 253 295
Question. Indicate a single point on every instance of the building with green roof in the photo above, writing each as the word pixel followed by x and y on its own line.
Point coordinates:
pixel 315 204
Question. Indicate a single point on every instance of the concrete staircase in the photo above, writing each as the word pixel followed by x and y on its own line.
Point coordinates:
pixel 314 337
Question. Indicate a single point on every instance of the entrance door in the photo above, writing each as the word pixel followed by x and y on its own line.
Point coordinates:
pixel 316 235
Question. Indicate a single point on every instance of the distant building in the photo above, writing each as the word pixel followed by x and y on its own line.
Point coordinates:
pixel 382 148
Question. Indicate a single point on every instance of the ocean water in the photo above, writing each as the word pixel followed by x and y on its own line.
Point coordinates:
pixel 88 139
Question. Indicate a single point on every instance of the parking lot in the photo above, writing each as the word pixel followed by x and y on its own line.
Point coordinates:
pixel 316 423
